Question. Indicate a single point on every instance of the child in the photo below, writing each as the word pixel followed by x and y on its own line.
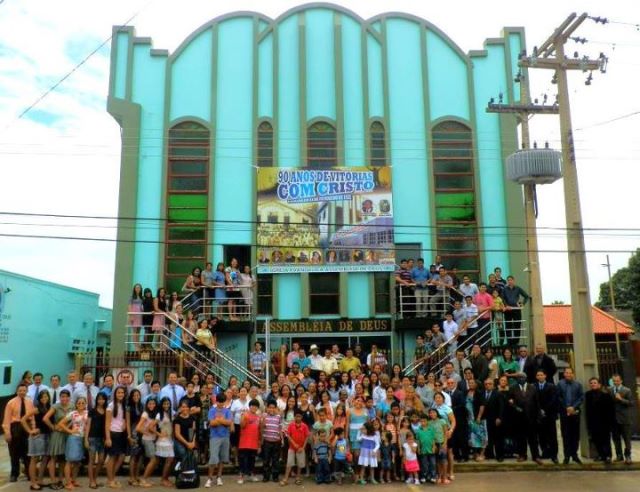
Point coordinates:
pixel 440 427
pixel 322 424
pixel 94 438
pixel 414 418
pixel 340 449
pixel 163 446
pixel 369 445
pixel 249 441
pixel 220 425
pixel 322 458
pixel 427 445
pixel 371 411
pixel 386 455
pixel 74 450
pixel 391 427
pixel 273 439
pixel 147 428
pixel 298 433
pixel 410 459
pixel 498 335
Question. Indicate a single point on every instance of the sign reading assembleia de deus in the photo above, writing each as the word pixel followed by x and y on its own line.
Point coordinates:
pixel 325 220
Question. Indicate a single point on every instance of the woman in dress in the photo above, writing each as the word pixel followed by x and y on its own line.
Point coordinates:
pixel 204 340
pixel 369 442
pixel 247 283
pixel 163 445
pixel 477 424
pixel 116 435
pixel 159 316
pixel 58 439
pixel 193 289
pixel 190 327
pixel 356 417
pixel 147 317
pixel 446 413
pixel 498 332
pixel 38 452
pixel 148 430
pixel 492 362
pixel 74 424
pixel 232 280
pixel 135 315
pixel 175 328
pixel 94 438
pixel 134 413
pixel 220 291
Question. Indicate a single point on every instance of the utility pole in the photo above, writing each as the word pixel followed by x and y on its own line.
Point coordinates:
pixel 523 111
pixel 612 299
pixel 584 346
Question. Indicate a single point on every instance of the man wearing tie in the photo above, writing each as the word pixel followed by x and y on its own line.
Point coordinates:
pixel 54 389
pixel 547 396
pixel 72 384
pixel 145 386
pixel 571 397
pixel 173 391
pixel 522 397
pixel 494 414
pixel 86 390
pixel 622 427
pixel 34 389
pixel 14 433
pixel 460 438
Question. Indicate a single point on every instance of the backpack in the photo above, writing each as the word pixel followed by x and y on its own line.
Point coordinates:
pixel 188 477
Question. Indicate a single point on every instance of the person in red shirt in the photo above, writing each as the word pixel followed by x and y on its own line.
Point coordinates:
pixel 484 301
pixel 298 433
pixel 249 442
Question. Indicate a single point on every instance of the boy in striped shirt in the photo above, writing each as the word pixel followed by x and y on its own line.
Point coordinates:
pixel 272 440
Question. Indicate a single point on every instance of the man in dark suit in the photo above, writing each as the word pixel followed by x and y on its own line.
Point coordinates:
pixel 494 414
pixel 600 413
pixel 540 361
pixel 479 363
pixel 522 398
pixel 460 438
pixel 570 396
pixel 623 401
pixel 547 397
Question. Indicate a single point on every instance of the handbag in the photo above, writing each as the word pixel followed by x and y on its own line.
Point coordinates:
pixel 188 477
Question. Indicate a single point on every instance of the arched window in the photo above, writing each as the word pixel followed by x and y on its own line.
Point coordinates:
pixel 321 145
pixel 265 145
pixel 187 202
pixel 377 144
pixel 455 198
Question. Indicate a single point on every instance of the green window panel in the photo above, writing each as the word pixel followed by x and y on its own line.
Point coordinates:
pixel 457 246
pixel 181 267
pixel 462 263
pixel 189 167
pixel 188 184
pixel 456 213
pixel 451 151
pixel 453 166
pixel 180 151
pixel 378 146
pixel 188 214
pixel 455 199
pixel 187 201
pixel 382 293
pixel 454 182
pixel 186 250
pixel 174 283
pixel 187 233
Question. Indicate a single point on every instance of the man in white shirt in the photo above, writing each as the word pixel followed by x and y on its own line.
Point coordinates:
pixel 450 330
pixel 145 386
pixel 86 390
pixel 34 389
pixel 72 382
pixel 470 316
pixel 329 364
pixel 376 358
pixel 173 391
pixel 315 361
pixel 467 287
pixel 54 389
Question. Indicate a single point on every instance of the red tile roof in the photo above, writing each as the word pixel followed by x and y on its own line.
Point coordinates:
pixel 558 321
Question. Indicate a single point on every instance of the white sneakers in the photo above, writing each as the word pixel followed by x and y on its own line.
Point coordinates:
pixel 219 482
pixel 254 478
pixel 208 483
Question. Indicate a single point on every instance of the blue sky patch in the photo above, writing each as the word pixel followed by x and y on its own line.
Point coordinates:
pixel 43 117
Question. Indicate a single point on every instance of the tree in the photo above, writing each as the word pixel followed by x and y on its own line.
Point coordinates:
pixel 557 303
pixel 625 288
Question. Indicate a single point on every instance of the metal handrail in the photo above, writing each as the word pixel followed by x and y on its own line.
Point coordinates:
pixel 220 354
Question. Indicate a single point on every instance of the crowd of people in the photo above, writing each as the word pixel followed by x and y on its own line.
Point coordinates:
pixel 346 416
pixel 223 293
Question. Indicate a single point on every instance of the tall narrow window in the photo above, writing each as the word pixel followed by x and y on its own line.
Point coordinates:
pixel 456 220
pixel 378 150
pixel 382 292
pixel 322 146
pixel 265 294
pixel 324 293
pixel 187 202
pixel 265 145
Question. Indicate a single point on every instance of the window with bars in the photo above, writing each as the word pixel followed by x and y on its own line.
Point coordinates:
pixel 324 293
pixel 382 291
pixel 455 197
pixel 377 144
pixel 322 145
pixel 265 294
pixel 187 202
pixel 265 144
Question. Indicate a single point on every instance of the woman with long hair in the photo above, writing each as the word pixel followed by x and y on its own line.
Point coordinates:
pixel 193 289
pixel 163 445
pixel 147 428
pixel 356 417
pixel 134 413
pixel 94 438
pixel 220 291
pixel 116 435
pixel 33 423
pixel 232 279
pixel 159 316
pixel 147 318
pixel 135 315
pixel 74 424
pixel 58 439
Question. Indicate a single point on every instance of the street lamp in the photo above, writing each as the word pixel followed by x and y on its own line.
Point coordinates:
pixel 613 308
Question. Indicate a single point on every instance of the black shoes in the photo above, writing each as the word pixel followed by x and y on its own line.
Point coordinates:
pixel 554 460
pixel 565 461
pixel 13 479
pixel 577 460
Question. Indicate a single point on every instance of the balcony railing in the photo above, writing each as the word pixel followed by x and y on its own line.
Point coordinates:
pixel 418 303
pixel 238 303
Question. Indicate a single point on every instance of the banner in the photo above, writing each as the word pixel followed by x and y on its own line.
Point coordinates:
pixel 326 326
pixel 334 220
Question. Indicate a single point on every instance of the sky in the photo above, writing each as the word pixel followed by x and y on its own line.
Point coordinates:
pixel 63 156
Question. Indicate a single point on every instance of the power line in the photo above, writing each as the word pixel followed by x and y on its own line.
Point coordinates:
pixel 617 118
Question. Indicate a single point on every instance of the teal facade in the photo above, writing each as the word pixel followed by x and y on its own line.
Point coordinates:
pixel 317 62
pixel 43 326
